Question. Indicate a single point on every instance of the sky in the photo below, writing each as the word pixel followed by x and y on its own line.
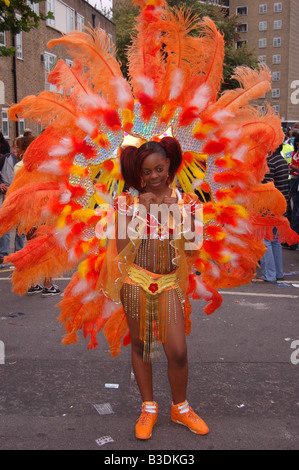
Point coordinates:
pixel 101 3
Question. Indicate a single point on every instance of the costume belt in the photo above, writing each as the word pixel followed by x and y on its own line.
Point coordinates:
pixel 152 285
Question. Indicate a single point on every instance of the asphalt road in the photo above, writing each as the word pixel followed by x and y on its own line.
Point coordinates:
pixel 243 378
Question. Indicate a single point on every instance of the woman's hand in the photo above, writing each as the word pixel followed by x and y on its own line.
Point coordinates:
pixel 168 200
pixel 146 199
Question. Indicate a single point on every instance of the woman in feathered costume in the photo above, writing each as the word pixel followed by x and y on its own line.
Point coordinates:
pixel 166 126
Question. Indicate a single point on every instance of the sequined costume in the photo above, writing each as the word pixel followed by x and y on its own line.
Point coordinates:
pixel 71 173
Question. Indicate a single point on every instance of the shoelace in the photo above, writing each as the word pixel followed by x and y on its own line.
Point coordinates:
pixel 147 411
pixel 186 410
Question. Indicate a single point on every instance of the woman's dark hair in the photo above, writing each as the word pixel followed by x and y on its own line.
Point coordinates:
pixel 24 142
pixel 296 140
pixel 131 159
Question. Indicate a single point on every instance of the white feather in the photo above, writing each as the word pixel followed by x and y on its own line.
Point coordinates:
pixel 122 92
pixel 86 125
pixel 201 97
pixel 52 167
pixel 148 85
pixel 64 147
pixel 177 84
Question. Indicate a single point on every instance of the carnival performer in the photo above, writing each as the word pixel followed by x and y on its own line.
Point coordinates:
pixel 152 294
pixel 141 255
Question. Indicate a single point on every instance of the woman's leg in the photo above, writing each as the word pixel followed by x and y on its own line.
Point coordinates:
pixel 175 349
pixel 142 370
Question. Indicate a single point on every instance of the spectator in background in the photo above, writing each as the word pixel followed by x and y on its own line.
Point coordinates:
pixel 294 188
pixel 272 261
pixel 7 164
pixel 4 145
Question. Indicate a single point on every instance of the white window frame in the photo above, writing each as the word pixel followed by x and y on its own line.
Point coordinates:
pixel 276 42
pixel 21 126
pixel 276 108
pixel 50 62
pixel 277 24
pixel 263 26
pixel 70 19
pixel 276 59
pixel 241 14
pixel 275 92
pixel 19 42
pixel 80 22
pixel 50 7
pixel 277 7
pixel 263 8
pixel 262 59
pixel 34 7
pixel 5 122
pixel 2 38
pixel 276 76
pixel 262 43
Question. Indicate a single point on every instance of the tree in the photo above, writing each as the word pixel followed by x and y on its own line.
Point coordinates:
pixel 124 14
pixel 26 20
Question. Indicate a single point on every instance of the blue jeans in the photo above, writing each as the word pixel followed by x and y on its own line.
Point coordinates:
pixel 272 262
pixel 5 243
pixel 294 185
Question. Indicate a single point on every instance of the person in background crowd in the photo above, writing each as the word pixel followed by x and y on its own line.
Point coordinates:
pixel 4 145
pixel 294 188
pixel 7 163
pixel 272 261
pixel 49 288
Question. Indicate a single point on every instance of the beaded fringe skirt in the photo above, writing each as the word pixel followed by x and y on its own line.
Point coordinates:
pixel 151 299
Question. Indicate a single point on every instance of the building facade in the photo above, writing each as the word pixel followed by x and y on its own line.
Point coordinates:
pixel 26 73
pixel 270 29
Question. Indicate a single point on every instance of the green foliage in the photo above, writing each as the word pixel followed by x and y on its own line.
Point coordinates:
pixel 9 21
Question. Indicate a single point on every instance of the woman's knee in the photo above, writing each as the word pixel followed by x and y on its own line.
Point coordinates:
pixel 178 357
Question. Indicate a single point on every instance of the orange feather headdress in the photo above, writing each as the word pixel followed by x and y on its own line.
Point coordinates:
pixel 173 88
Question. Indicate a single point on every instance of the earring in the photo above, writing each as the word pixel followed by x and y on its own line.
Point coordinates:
pixel 142 183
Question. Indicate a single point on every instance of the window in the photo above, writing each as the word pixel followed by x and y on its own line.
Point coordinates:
pixel 276 42
pixel 276 76
pixel 2 38
pixel 262 43
pixel 70 19
pixel 64 16
pixel 51 7
pixel 277 7
pixel 240 44
pixel 277 24
pixel 80 22
pixel 21 126
pixel 275 92
pixel 276 59
pixel 50 62
pixel 5 126
pixel 263 25
pixel 262 59
pixel 19 42
pixel 242 28
pixel 276 108
pixel 34 7
pixel 263 8
pixel 242 11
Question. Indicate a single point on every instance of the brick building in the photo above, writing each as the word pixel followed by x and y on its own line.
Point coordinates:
pixel 26 72
pixel 270 28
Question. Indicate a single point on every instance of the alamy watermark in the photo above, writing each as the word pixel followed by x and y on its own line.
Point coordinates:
pixel 159 222
pixel 295 354
pixel 295 93
pixel 2 353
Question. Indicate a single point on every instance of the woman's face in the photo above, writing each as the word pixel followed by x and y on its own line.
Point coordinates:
pixel 17 151
pixel 154 171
